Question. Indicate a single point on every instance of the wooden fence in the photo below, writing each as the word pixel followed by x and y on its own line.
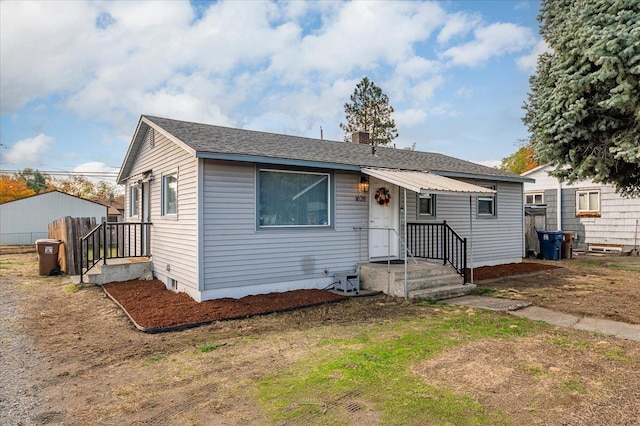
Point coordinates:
pixel 70 230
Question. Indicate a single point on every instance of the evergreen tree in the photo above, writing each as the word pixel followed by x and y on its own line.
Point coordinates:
pixel 583 110
pixel 369 111
pixel 35 179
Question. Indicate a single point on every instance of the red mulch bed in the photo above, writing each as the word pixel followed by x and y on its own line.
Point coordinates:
pixel 492 272
pixel 154 308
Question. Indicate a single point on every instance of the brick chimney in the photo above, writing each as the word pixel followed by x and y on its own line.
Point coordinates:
pixel 360 138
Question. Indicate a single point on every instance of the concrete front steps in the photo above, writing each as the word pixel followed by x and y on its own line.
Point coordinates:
pixel 123 269
pixel 425 280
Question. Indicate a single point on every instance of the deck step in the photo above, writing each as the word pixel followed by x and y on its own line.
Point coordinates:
pixel 443 292
pixel 432 281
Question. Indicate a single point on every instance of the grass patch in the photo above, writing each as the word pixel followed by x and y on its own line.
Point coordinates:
pixel 632 268
pixel 484 291
pixel 587 264
pixel 375 368
pixel 5 264
pixel 71 288
pixel 208 348
pixel 573 386
pixel 155 358
pixel 616 354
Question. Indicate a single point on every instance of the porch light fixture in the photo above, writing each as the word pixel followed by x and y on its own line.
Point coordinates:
pixel 363 186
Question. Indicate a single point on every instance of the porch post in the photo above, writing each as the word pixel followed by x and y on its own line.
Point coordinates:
pixel 406 288
pixel 471 236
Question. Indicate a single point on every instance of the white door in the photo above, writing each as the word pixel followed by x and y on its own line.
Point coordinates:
pixel 384 207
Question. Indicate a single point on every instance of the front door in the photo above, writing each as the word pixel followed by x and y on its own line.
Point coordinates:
pixel 383 216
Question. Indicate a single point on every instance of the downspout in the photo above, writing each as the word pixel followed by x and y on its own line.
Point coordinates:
pixel 559 206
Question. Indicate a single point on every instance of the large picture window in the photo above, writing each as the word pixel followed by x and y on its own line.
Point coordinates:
pixel 293 199
pixel 170 194
pixel 134 200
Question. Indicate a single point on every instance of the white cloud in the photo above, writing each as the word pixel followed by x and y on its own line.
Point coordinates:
pixel 528 62
pixel 465 92
pixel 409 117
pixel 490 41
pixel 29 151
pixel 458 24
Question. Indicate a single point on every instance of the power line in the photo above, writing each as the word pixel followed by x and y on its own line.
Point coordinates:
pixel 64 173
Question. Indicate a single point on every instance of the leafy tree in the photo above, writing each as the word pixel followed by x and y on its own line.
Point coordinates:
pixel 13 188
pixel 369 111
pixel 520 161
pixel 80 186
pixel 583 110
pixel 35 179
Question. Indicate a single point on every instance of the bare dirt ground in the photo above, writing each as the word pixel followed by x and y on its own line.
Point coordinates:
pixel 588 285
pixel 72 357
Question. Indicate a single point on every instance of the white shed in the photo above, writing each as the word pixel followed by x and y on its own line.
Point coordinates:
pixel 25 220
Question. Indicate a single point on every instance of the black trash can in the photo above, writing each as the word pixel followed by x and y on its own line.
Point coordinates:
pixel 48 256
pixel 550 244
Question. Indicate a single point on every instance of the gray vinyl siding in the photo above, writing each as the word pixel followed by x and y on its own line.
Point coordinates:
pixel 496 239
pixel 237 254
pixel 26 220
pixel 174 240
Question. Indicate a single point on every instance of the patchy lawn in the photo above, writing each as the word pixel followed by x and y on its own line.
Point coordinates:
pixel 75 358
pixel 588 285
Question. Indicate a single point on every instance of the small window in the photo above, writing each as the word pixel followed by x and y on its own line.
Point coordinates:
pixel 487 203
pixel 293 199
pixel 535 198
pixel 170 194
pixel 426 205
pixel 588 203
pixel 134 201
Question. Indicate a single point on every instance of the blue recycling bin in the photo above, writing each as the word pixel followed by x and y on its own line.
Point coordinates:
pixel 550 244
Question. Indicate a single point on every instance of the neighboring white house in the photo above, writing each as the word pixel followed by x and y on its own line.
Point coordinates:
pixel 599 217
pixel 237 212
pixel 25 220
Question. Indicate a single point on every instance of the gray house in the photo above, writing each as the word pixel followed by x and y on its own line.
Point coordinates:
pixel 598 217
pixel 237 212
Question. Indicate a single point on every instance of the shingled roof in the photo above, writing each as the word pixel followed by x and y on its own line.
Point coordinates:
pixel 208 141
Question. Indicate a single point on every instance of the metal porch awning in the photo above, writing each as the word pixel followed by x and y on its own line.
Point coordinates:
pixel 424 182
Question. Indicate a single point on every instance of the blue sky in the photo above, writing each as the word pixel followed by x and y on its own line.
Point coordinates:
pixel 75 76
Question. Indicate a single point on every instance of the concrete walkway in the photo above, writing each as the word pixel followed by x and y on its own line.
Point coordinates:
pixel 525 310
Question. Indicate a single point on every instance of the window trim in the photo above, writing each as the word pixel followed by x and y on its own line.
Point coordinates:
pixel 330 198
pixel 134 202
pixel 493 198
pixel 589 212
pixel 163 196
pixel 433 199
pixel 534 194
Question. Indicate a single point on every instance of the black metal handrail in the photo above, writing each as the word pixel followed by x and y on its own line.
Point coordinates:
pixel 111 240
pixel 438 241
